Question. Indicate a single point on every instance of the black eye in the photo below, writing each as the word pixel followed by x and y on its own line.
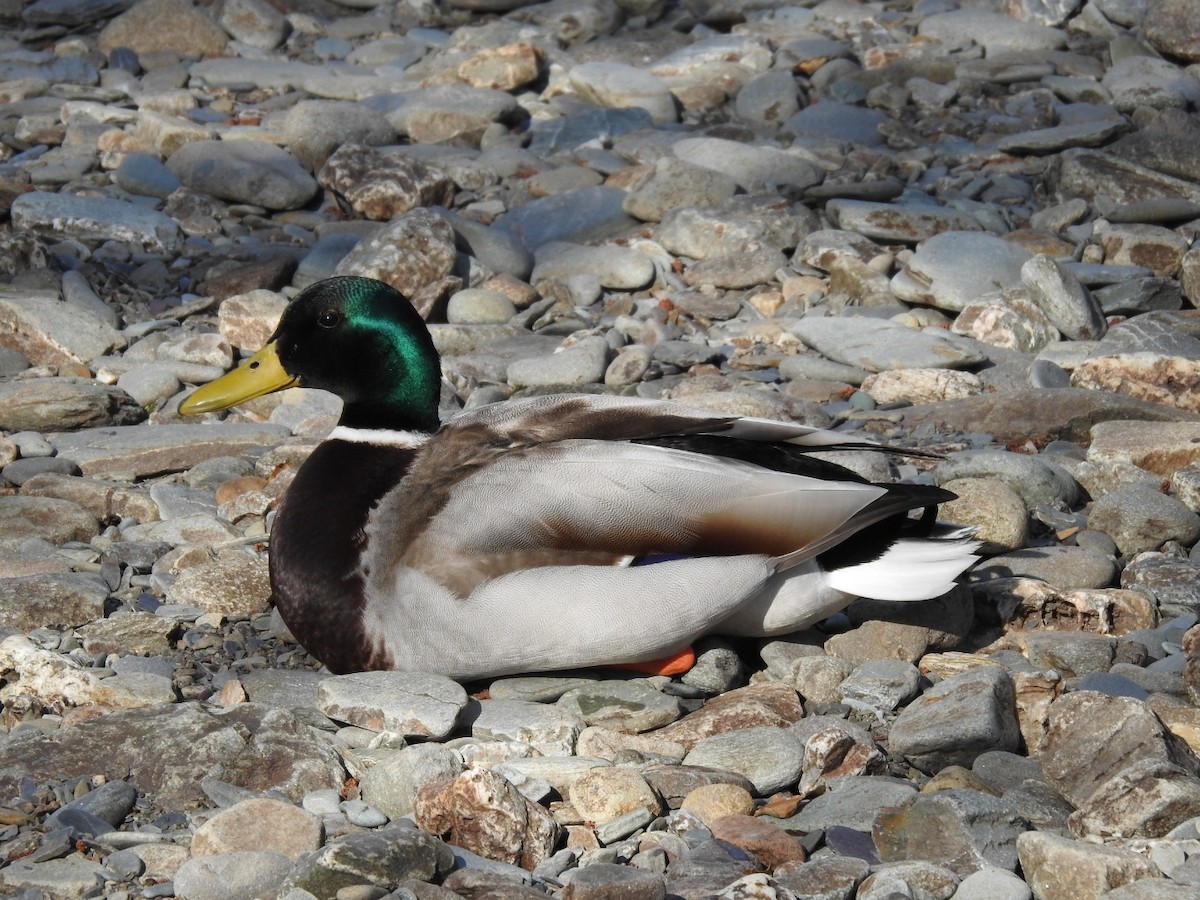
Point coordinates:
pixel 329 318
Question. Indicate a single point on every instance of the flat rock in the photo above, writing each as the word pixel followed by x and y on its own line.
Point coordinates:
pixel 770 757
pixel 259 824
pixel 247 746
pixel 413 704
pixel 1072 414
pixel 954 268
pixel 878 345
pixel 64 599
pixel 47 331
pixel 96 219
pixel 140 452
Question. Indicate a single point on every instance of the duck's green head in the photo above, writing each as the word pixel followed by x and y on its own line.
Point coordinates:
pixel 357 337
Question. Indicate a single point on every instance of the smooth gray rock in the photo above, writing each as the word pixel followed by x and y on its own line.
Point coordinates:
pixel 882 685
pixel 957 719
pixel 617 268
pixel 627 706
pixel 753 167
pixel 1139 519
pixel 952 269
pixel 1064 567
pixel 878 345
pixel 1037 479
pixel 770 757
pixel 852 802
pixel 392 783
pixel 235 875
pixel 589 213
pixel 1066 302
pixel 243 172
pixel 580 364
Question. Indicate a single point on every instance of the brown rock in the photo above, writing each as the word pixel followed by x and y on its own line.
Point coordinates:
pixel 942 621
pixel 954 778
pixel 1091 737
pixel 250 746
pixel 235 583
pixel 482 812
pixel 606 792
pixel 235 277
pixel 769 703
pixel 964 830
pixel 1058 868
pixel 1020 604
pixel 64 599
pixel 834 752
pixel 1144 800
pixel 1035 693
pixel 1043 414
pixel 229 491
pixel 1171 28
pixel 1191 671
pixel 829 876
pixel 716 801
pixel 1151 246
pixel 768 842
pixel 409 253
pixel 128 632
pixel 64 404
pixel 144 452
pixel 103 499
pixel 25 518
pixel 879 640
pixel 504 68
pixel 259 824
pixel 247 320
pixel 174 26
pixel 1160 447
pixel 675 783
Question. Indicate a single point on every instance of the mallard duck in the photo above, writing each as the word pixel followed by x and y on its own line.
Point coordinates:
pixel 560 531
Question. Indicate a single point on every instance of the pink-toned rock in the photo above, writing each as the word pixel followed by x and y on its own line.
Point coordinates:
pixel 382 185
pixel 409 253
pixel 482 812
pixel 767 841
pixel 768 703
pixel 1169 380
pixel 247 320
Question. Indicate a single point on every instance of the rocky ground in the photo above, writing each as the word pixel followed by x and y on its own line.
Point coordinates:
pixel 964 227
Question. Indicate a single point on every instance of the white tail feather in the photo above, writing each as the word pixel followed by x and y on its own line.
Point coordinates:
pixel 911 569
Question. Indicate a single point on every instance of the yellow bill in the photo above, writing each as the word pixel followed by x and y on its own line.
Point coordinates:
pixel 261 374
